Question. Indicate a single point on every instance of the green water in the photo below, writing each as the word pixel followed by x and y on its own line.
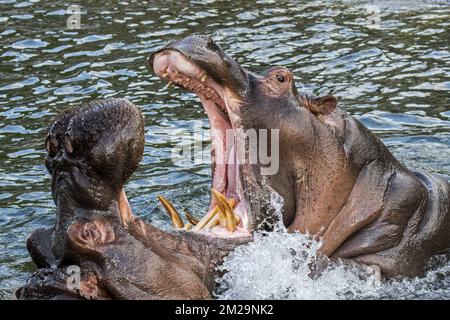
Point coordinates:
pixel 396 79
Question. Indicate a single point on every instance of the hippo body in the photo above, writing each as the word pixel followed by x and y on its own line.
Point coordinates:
pixel 392 217
pixel 338 180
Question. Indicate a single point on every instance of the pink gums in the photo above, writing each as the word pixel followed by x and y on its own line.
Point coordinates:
pixel 173 66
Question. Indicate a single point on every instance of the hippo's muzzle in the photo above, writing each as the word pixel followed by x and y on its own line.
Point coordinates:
pixel 198 64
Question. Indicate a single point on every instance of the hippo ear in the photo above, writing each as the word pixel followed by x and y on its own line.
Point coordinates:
pixel 323 105
pixel 90 236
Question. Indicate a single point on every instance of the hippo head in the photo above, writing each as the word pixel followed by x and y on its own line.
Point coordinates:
pixel 242 105
pixel 91 151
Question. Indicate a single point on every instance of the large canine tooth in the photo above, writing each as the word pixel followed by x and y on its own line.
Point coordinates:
pixel 173 213
pixel 211 219
pixel 206 219
pixel 227 216
pixel 203 77
pixel 125 213
pixel 215 220
pixel 194 221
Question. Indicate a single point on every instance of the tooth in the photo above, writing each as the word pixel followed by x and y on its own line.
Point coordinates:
pixel 203 77
pixel 194 221
pixel 173 213
pixel 213 222
pixel 206 219
pixel 125 213
pixel 187 226
pixel 165 74
pixel 226 213
pixel 168 85
pixel 210 219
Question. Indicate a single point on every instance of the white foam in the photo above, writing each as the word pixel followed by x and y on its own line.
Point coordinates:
pixel 276 266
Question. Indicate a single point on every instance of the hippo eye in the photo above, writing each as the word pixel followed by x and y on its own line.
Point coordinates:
pixel 280 78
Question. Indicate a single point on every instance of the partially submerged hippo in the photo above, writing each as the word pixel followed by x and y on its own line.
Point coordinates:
pixel 338 180
pixel 92 150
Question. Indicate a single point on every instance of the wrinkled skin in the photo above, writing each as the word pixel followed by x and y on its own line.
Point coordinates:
pixel 92 150
pixel 338 180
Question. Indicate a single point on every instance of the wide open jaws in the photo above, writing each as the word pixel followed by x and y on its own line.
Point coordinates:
pixel 171 65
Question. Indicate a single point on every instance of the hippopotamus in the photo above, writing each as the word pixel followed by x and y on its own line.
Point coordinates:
pixel 339 182
pixel 92 150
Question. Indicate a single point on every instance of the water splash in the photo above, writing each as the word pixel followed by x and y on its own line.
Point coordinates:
pixel 280 265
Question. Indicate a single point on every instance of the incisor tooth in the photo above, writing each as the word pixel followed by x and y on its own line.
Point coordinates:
pixel 173 213
pixel 168 85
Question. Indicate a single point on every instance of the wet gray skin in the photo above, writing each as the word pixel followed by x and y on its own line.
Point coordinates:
pixel 92 151
pixel 338 180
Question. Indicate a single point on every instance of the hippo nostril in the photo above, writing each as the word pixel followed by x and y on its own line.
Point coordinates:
pixel 215 48
pixel 69 146
pixel 51 146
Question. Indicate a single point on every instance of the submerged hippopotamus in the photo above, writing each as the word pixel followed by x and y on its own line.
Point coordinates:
pixel 338 181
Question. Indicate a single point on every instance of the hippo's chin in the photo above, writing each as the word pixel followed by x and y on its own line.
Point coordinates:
pixel 174 67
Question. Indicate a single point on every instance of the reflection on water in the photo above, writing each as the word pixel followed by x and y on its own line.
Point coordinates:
pixel 394 78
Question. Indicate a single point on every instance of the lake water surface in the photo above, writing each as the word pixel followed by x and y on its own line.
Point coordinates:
pixel 389 66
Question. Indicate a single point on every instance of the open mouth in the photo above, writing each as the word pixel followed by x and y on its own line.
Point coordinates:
pixel 227 215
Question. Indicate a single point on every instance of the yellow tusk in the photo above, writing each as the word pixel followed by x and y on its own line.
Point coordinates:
pixel 206 219
pixel 187 226
pixel 173 213
pixel 215 220
pixel 194 221
pixel 203 77
pixel 226 212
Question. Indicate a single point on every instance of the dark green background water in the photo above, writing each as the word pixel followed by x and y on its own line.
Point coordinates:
pixel 395 79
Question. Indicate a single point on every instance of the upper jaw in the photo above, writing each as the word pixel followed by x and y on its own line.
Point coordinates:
pixel 173 66
pixel 208 57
